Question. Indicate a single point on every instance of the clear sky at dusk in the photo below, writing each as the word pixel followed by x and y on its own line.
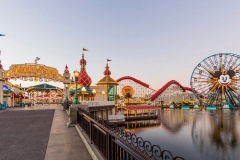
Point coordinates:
pixel 154 41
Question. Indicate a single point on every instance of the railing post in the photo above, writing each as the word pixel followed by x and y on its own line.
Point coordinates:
pixel 72 114
pixel 108 141
pixel 91 131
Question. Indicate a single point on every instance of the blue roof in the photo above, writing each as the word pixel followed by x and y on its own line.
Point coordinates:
pixel 79 90
pixel 6 88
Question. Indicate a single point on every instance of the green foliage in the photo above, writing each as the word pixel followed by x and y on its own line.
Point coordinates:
pixel 117 97
pixel 127 96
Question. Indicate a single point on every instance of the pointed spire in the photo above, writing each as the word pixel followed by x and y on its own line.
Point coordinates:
pixel 83 62
pixel 107 78
pixel 107 72
pixel 66 69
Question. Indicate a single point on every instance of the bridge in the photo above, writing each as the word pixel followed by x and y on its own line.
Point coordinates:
pixel 115 143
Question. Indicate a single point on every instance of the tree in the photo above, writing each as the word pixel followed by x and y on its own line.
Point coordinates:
pixel 127 96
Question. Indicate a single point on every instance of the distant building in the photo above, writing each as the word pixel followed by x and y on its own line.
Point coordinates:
pixel 173 92
pixel 139 90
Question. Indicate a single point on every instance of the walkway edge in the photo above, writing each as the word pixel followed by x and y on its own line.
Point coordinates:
pixel 92 154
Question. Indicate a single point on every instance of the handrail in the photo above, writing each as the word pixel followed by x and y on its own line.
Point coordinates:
pixel 115 134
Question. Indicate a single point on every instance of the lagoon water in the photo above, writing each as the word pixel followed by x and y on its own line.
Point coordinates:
pixel 193 134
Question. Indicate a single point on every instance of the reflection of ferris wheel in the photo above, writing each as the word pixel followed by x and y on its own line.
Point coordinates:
pixel 217 79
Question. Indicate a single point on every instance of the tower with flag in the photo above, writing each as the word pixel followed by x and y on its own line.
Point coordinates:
pixel 83 78
pixel 109 84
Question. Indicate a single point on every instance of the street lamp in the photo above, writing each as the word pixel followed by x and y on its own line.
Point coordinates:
pixel 83 92
pixel 94 92
pixel 76 101
pixel 103 94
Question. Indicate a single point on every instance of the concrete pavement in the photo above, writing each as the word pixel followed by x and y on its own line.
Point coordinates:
pixel 64 143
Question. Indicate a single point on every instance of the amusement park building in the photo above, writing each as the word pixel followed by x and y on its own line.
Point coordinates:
pixel 137 88
pixel 172 91
pixel 107 88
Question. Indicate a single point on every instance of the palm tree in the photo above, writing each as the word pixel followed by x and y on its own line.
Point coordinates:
pixel 127 96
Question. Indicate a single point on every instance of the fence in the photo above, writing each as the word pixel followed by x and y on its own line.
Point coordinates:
pixel 115 143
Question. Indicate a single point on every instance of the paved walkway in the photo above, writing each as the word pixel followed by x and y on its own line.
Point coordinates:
pixel 64 143
pixel 25 134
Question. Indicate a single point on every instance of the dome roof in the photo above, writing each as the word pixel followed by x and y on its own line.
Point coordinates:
pixel 83 78
pixel 107 72
pixel 83 62
pixel 107 79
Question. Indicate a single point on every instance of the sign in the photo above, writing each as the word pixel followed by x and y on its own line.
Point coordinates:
pixel 32 70
pixel 127 89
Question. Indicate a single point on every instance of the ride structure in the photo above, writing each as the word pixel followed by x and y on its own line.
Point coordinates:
pixel 172 95
pixel 140 92
pixel 215 81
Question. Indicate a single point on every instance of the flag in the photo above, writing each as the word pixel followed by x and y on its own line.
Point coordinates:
pixel 84 49
pixel 108 60
pixel 2 35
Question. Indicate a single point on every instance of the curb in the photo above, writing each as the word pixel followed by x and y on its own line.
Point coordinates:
pixel 91 152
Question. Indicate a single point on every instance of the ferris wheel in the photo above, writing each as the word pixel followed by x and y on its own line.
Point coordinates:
pixel 216 80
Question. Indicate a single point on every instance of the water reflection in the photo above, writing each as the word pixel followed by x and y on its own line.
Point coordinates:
pixel 194 134
pixel 143 124
pixel 173 120
pixel 215 134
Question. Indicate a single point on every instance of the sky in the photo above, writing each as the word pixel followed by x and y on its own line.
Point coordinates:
pixel 154 41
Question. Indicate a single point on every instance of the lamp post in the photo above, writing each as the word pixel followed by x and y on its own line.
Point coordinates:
pixel 13 97
pixel 66 92
pixel 76 101
pixel 103 94
pixel 24 94
pixel 83 92
pixel 93 92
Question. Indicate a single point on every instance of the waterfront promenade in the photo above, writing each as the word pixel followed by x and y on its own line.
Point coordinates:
pixel 55 140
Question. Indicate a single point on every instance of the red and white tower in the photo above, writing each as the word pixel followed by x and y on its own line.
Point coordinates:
pixel 83 77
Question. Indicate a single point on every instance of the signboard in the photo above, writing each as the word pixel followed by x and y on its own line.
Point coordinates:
pixel 127 89
pixel 38 71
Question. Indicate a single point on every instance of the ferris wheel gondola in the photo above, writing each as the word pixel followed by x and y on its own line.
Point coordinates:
pixel 216 80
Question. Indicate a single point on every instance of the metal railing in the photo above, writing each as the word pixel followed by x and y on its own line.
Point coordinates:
pixel 115 143
pixel 97 103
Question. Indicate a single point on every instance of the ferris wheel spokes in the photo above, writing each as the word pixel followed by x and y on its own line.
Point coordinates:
pixel 217 78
